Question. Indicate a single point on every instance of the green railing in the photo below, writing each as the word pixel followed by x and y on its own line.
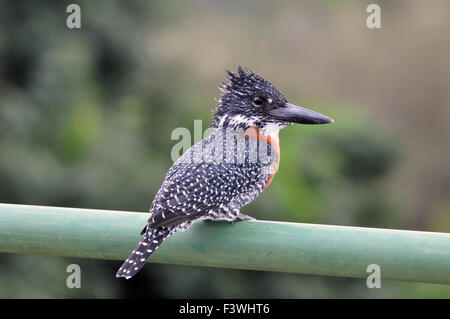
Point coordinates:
pixel 259 245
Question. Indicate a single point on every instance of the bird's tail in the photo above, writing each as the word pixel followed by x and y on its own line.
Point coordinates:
pixel 138 257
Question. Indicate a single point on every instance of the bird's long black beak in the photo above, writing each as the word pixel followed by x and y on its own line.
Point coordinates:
pixel 296 114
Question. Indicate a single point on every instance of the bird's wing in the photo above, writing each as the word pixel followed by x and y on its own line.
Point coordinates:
pixel 194 189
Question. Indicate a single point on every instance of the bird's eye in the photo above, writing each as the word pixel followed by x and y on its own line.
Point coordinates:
pixel 258 100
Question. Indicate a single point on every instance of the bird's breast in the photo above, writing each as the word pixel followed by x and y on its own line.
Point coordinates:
pixel 272 140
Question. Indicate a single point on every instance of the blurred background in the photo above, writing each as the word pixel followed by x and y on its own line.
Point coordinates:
pixel 86 117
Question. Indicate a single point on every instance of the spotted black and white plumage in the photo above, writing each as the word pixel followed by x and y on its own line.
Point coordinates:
pixel 216 177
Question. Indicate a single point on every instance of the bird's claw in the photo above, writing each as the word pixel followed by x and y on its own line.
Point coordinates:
pixel 242 217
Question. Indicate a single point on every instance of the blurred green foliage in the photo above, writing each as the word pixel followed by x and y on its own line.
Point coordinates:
pixel 86 118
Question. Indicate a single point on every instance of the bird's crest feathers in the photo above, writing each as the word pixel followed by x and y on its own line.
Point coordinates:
pixel 243 82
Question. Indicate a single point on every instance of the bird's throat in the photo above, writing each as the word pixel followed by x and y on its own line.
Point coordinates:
pixel 271 138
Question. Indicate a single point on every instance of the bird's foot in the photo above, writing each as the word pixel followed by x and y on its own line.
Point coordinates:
pixel 242 217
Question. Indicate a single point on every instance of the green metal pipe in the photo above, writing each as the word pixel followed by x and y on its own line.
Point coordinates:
pixel 259 245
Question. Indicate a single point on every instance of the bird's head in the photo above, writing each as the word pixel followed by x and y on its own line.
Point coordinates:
pixel 248 100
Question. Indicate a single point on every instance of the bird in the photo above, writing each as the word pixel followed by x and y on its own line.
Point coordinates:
pixel 226 170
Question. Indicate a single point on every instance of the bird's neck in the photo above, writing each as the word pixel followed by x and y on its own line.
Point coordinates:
pixel 239 122
pixel 268 135
pixel 233 122
pixel 271 129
